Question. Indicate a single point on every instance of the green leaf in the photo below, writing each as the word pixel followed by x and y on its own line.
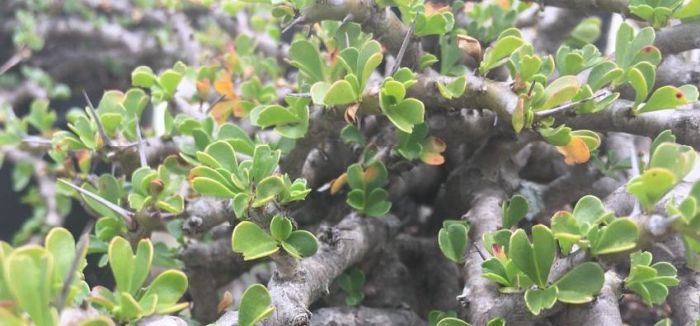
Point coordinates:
pixel 318 92
pixel 650 282
pixel 210 187
pixel 280 228
pixel 169 80
pixel 406 114
pixel 129 308
pixel 668 97
pixel 620 235
pixel 223 154
pixel 264 162
pixel 453 239
pixel 690 10
pixel 340 93
pixel 679 159
pixel 580 284
pixel 559 91
pixel 500 50
pixel 251 241
pixel 274 115
pixel 451 321
pixel 454 88
pixel 61 245
pixel 559 136
pixel 435 24
pixel 589 210
pixel 352 282
pixel 514 210
pixel 537 300
pixel 267 189
pixel 305 56
pixel 566 230
pixel 256 305
pixel 30 270
pixel 533 259
pixel 377 203
pixel 169 287
pixel 300 244
pixel 651 186
pixel 143 76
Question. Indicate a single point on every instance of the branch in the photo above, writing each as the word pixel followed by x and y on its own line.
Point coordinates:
pixel 357 316
pixel 679 38
pixel 341 247
pixel 587 6
pixel 386 27
pixel 684 123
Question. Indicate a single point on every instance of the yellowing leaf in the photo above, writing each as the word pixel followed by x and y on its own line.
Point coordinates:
pixel 224 86
pixel 338 183
pixel 576 152
pixel 432 158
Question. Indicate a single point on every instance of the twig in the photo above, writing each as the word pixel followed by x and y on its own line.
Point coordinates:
pixel 125 214
pixel 564 107
pixel 402 50
pixel 100 127
pixel 18 57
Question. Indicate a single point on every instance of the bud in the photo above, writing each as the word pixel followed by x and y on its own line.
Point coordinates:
pixel 155 187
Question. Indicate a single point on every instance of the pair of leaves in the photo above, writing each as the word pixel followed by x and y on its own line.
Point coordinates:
pixel 513 210
pixel 130 302
pixel 291 122
pixel 404 113
pixel 573 61
pixel 418 145
pixel 497 54
pixel 650 281
pixel 367 195
pixel 658 13
pixel 253 242
pixel 162 87
pixel 582 227
pixel 352 283
pixel 453 239
pixel 669 163
pixel 581 143
pixel 452 89
pixel 577 286
pixel 435 24
pixel 156 188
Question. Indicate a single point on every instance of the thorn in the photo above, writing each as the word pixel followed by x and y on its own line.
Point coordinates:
pixel 141 149
pixel 83 244
pixel 125 214
pixel 100 127
pixel 213 104
pixel 293 23
pixel 402 50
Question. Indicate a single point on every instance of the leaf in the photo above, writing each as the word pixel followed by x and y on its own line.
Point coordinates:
pixel 453 239
pixel 560 136
pixel 210 187
pixel 580 284
pixel 651 186
pixel 454 88
pixel 537 300
pixel 305 56
pixel 451 321
pixel 274 115
pixel 280 228
pixel 129 308
pixel 30 270
pixel 300 244
pixel 318 92
pixel 264 162
pixel 143 76
pixel 435 24
pixel 340 93
pixel 501 49
pixel 352 282
pixel 559 91
pixel 533 259
pixel 223 155
pixel 169 80
pixel 169 287
pixel 679 159
pixel 576 152
pixel 61 245
pixel 589 210
pixel 514 210
pixel 690 10
pixel 406 114
pixel 256 305
pixel 377 203
pixel 251 241
pixel 620 235
pixel 267 189
pixel 667 97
